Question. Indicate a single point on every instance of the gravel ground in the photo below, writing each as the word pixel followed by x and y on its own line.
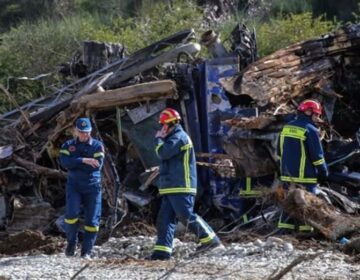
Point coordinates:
pixel 122 258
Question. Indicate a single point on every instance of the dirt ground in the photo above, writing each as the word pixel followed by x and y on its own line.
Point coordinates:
pixel 33 242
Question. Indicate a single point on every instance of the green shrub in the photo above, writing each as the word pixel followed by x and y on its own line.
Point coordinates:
pixel 31 49
pixel 157 23
pixel 280 7
pixel 282 31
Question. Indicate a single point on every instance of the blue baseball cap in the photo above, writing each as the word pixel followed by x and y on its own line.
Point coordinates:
pixel 83 124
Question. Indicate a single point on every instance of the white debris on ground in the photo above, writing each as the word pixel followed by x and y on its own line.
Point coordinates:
pixel 123 258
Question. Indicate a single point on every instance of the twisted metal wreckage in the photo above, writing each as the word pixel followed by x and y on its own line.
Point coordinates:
pixel 233 106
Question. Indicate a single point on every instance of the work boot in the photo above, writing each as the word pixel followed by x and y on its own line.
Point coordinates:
pixel 158 257
pixel 70 250
pixel 215 243
pixel 86 256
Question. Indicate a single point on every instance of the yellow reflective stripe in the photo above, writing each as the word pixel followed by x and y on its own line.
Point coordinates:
pixel 71 221
pixel 298 179
pixel 294 132
pixel 208 231
pixel 248 183
pixel 302 161
pixel 65 152
pixel 91 229
pixel 162 248
pixel 245 218
pixel 281 149
pixel 284 225
pixel 207 239
pixel 318 162
pixel 293 136
pixel 306 228
pixel 158 147
pixel 187 169
pixel 186 147
pixel 177 190
pixel 281 144
pixel 100 154
pixel 248 191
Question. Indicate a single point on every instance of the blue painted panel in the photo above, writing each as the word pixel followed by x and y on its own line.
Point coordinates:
pixel 216 103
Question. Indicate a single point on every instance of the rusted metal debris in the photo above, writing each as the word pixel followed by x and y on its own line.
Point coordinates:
pixel 232 105
pixel 29 150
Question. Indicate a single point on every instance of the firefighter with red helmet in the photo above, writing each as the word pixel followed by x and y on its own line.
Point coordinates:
pixel 177 187
pixel 301 153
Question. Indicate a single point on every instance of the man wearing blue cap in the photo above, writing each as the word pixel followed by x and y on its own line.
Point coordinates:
pixel 83 157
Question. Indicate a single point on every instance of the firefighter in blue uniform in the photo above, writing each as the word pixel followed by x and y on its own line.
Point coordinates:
pixel 301 153
pixel 177 187
pixel 83 158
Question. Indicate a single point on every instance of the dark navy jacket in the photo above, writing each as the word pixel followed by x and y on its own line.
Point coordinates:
pixel 81 174
pixel 178 163
pixel 301 153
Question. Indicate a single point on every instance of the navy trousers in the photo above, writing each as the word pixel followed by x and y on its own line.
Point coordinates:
pixel 90 199
pixel 174 208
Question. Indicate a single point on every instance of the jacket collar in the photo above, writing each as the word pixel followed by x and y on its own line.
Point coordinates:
pixel 176 129
pixel 306 118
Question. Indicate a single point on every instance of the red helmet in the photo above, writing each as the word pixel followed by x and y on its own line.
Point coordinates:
pixel 312 105
pixel 169 115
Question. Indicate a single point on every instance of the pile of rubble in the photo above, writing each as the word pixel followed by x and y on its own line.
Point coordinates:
pixel 233 106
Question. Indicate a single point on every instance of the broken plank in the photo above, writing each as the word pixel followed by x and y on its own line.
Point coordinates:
pixel 127 95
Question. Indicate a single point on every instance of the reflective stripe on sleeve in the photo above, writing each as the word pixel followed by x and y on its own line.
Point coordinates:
pixel 65 152
pixel 187 169
pixel 186 147
pixel 318 162
pixel 99 154
pixel 302 160
pixel 158 147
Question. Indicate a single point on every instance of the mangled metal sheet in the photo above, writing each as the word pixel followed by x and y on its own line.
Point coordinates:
pixel 30 213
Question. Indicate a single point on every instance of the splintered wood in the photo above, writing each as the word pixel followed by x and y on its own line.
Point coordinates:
pixel 310 209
